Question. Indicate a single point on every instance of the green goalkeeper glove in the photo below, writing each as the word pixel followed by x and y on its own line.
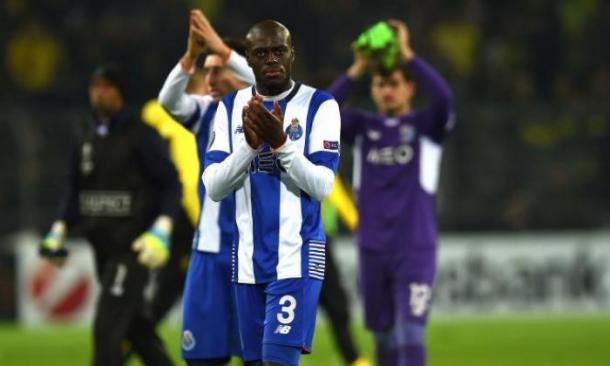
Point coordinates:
pixel 52 246
pixel 153 246
pixel 380 41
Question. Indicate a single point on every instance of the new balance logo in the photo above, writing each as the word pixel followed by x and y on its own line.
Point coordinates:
pixel 283 329
pixel 239 129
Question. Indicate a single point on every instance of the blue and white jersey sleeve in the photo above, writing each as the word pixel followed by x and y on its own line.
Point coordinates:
pixel 313 169
pixel 239 67
pixel 185 108
pixel 325 135
pixel 226 166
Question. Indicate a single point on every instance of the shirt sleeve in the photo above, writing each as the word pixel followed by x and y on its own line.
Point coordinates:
pixel 153 154
pixel 68 207
pixel 185 108
pixel 225 170
pixel 314 173
pixel 239 66
pixel 438 118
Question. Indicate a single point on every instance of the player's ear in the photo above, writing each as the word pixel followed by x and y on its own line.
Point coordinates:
pixel 411 87
pixel 293 54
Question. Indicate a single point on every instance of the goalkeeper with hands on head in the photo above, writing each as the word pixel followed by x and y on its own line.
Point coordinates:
pixel 397 179
pixel 123 192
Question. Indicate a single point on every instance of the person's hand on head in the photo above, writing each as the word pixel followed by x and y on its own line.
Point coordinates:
pixel 402 34
pixel 359 65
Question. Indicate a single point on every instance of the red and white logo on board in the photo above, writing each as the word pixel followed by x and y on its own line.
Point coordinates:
pixel 59 293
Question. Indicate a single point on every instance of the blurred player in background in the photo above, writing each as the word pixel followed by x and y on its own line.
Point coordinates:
pixel 397 155
pixel 278 165
pixel 333 297
pixel 124 193
pixel 209 332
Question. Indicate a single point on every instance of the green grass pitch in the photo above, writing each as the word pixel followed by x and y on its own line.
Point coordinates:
pixel 581 340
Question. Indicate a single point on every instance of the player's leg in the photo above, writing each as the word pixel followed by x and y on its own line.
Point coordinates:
pixel 170 279
pixel 412 287
pixel 146 343
pixel 375 287
pixel 120 300
pixel 126 287
pixel 250 303
pixel 290 319
pixel 208 329
pixel 333 299
pixel 111 321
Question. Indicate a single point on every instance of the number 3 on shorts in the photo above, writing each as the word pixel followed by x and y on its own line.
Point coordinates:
pixel 286 314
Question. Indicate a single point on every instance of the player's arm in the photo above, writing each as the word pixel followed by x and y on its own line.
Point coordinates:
pixel 206 34
pixel 438 114
pixel 352 120
pixel 344 84
pixel 153 156
pixel 184 107
pixel 202 37
pixel 52 246
pixel 239 67
pixel 224 170
pixel 68 208
pixel 315 172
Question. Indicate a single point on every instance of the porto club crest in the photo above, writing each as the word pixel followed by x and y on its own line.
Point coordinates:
pixel 294 131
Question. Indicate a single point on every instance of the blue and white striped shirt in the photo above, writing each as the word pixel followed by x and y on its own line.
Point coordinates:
pixel 277 193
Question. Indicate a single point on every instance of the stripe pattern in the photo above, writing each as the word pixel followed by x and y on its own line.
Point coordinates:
pixel 276 221
pixel 317 259
pixel 208 235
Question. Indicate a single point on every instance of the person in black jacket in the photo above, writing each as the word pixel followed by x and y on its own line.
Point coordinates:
pixel 123 192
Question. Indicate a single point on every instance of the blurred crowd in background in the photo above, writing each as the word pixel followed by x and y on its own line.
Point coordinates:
pixel 531 150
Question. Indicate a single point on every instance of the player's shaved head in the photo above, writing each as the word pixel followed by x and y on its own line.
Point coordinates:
pixel 267 28
pixel 270 54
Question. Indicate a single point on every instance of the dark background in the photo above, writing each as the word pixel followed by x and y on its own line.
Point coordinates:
pixel 531 79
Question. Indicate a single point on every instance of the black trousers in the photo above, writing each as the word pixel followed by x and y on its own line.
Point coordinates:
pixel 333 299
pixel 119 314
pixel 169 282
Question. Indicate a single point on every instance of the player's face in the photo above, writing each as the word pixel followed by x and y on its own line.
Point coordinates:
pixel 218 79
pixel 271 56
pixel 105 97
pixel 392 94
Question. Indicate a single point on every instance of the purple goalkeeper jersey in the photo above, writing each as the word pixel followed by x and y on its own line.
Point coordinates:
pixel 396 164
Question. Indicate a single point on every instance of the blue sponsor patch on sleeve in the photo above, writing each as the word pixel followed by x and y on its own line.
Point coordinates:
pixel 331 145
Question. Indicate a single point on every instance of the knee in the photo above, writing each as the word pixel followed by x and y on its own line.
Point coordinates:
pixel 384 340
pixel 410 334
pixel 404 335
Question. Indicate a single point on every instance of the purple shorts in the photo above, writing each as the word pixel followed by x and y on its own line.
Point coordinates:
pixel 396 288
